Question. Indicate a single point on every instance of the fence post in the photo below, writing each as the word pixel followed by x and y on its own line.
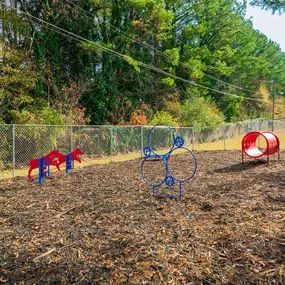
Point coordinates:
pixel 259 129
pixel 71 138
pixel 141 141
pixel 193 137
pixel 14 155
pixel 269 125
pixel 79 137
pixel 111 143
pixel 225 137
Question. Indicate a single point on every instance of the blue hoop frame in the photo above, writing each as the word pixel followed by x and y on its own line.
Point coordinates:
pixel 44 168
pixel 148 138
pixel 169 179
pixel 143 176
pixel 69 162
pixel 195 165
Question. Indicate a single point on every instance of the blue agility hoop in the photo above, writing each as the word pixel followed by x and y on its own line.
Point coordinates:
pixel 147 151
pixel 179 141
pixel 149 136
pixel 169 179
pixel 144 178
pixel 195 165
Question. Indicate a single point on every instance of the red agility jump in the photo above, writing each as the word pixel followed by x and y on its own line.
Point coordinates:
pixel 249 145
pixel 34 163
pixel 56 159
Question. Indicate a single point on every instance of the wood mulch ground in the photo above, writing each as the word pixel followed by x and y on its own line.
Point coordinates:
pixel 100 225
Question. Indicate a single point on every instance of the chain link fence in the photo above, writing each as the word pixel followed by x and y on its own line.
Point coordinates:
pixel 20 144
pixel 229 136
pixel 7 151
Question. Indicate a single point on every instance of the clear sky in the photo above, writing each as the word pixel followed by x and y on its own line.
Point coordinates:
pixel 273 26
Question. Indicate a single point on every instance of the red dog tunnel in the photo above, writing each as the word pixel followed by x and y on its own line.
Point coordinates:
pixel 249 145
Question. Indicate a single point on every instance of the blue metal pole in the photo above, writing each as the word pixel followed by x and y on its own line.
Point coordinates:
pixel 48 163
pixel 66 164
pixel 40 171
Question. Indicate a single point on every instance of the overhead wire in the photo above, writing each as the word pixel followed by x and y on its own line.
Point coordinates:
pixel 125 57
pixel 91 17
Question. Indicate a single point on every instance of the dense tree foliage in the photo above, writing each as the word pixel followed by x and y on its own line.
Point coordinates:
pixel 135 62
pixel 272 5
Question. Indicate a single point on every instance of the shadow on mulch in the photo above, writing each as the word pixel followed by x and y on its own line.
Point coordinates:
pixel 273 178
pixel 241 166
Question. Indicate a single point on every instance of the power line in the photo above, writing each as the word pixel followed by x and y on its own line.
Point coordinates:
pixel 225 82
pixel 125 57
pixel 155 49
pixel 120 31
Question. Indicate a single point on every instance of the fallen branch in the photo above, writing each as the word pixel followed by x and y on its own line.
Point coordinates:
pixel 44 254
pixel 31 205
pixel 65 212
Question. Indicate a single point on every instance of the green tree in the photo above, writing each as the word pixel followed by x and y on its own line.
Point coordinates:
pixel 199 112
pixel 273 5
pixel 205 42
pixel 17 82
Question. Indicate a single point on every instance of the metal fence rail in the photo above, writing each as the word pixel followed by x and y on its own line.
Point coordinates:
pixel 20 144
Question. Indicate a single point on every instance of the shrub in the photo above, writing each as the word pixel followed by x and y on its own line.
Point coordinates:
pixel 138 117
pixel 163 117
pixel 46 116
pixel 199 112
pixel 175 109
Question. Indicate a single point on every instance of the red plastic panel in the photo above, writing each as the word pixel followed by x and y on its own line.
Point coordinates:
pixel 249 144
pixel 272 143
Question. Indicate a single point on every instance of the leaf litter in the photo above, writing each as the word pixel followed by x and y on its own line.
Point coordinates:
pixel 100 225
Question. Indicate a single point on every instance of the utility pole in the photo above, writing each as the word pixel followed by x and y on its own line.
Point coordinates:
pixel 273 107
